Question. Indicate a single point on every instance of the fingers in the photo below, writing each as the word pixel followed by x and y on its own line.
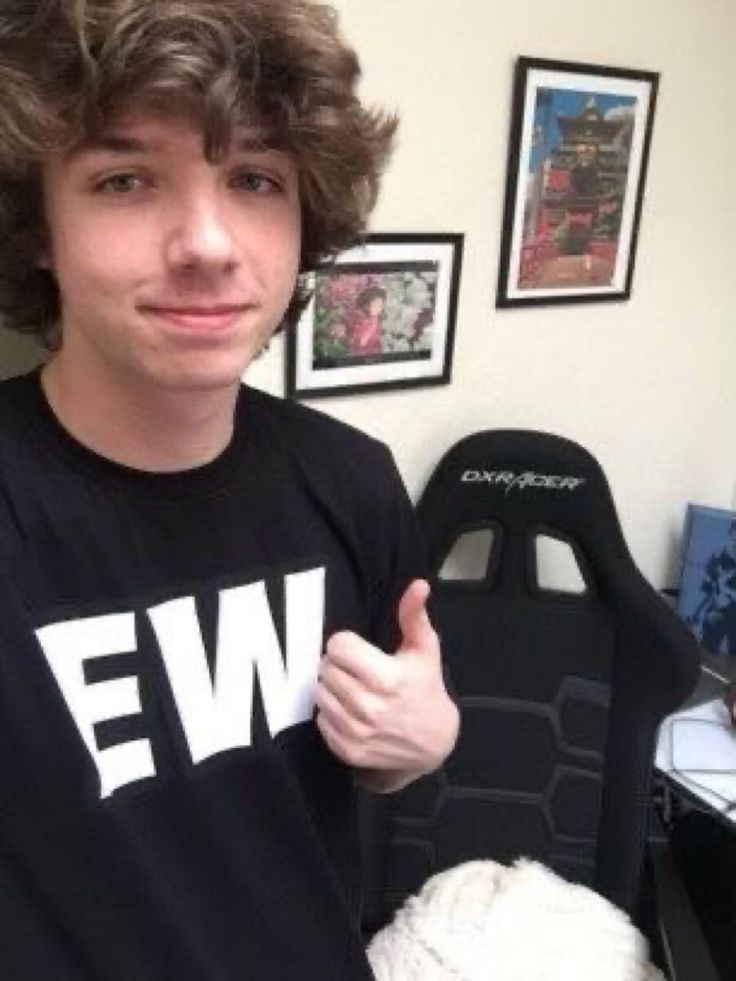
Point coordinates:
pixel 350 693
pixel 339 719
pixel 346 735
pixel 346 748
pixel 356 657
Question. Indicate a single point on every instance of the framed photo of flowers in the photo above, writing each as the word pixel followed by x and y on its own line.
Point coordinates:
pixel 578 154
pixel 381 316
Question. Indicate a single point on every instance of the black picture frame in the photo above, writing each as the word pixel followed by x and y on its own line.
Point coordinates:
pixel 577 164
pixel 382 316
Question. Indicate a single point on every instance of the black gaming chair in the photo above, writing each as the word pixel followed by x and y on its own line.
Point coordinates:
pixel 561 692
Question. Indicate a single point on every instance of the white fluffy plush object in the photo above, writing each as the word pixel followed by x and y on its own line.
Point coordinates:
pixel 481 921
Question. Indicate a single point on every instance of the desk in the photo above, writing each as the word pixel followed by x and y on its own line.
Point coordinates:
pixel 696 749
pixel 701 827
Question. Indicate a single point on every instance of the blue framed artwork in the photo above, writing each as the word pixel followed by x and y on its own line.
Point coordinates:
pixel 707 596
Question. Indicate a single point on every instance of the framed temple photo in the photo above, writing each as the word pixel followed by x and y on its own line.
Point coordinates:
pixel 381 316
pixel 578 154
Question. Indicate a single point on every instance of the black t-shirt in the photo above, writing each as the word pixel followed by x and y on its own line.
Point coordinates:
pixel 168 809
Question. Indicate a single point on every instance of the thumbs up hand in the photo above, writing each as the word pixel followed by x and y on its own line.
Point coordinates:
pixel 388 716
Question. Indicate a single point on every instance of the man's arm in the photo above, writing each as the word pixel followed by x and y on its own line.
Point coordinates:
pixel 389 716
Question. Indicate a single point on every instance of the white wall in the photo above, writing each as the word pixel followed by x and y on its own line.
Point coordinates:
pixel 648 385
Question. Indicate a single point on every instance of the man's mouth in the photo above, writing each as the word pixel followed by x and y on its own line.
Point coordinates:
pixel 217 317
pixel 203 311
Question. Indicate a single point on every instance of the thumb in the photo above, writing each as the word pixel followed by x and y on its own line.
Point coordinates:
pixel 414 623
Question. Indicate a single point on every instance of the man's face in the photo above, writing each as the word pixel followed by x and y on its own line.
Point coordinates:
pixel 172 271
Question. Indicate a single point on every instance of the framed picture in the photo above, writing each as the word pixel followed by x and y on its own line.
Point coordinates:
pixel 706 599
pixel 381 316
pixel 578 155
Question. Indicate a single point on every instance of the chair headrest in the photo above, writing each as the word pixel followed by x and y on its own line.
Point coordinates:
pixel 524 478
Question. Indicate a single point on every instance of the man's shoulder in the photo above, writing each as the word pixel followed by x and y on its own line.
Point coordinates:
pixel 16 388
pixel 15 393
pixel 312 430
pixel 332 456
pixel 16 401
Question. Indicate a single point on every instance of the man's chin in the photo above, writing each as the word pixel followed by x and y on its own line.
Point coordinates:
pixel 199 378
pixel 203 371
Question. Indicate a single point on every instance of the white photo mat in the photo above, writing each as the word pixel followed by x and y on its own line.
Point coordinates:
pixel 426 263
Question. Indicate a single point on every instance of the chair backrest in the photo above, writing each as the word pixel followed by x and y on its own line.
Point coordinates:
pixel 561 692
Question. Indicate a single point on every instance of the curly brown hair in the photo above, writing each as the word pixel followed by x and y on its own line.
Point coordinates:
pixel 68 67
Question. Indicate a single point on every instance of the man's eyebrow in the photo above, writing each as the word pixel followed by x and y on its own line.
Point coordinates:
pixel 250 143
pixel 117 143
pixel 107 142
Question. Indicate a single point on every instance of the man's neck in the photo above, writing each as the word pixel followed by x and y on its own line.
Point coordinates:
pixel 148 427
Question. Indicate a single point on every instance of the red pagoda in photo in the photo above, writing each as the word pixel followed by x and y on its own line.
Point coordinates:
pixel 574 208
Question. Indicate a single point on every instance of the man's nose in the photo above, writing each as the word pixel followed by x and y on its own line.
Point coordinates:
pixel 201 235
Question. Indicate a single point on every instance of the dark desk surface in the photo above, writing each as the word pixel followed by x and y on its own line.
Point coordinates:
pixel 723 665
pixel 703 839
pixel 712 685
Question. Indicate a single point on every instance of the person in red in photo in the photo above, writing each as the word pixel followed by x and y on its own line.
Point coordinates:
pixel 366 329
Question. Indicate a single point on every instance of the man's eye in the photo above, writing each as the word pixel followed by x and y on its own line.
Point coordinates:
pixel 119 184
pixel 250 180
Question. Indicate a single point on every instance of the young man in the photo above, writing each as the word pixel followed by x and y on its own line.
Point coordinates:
pixel 212 625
